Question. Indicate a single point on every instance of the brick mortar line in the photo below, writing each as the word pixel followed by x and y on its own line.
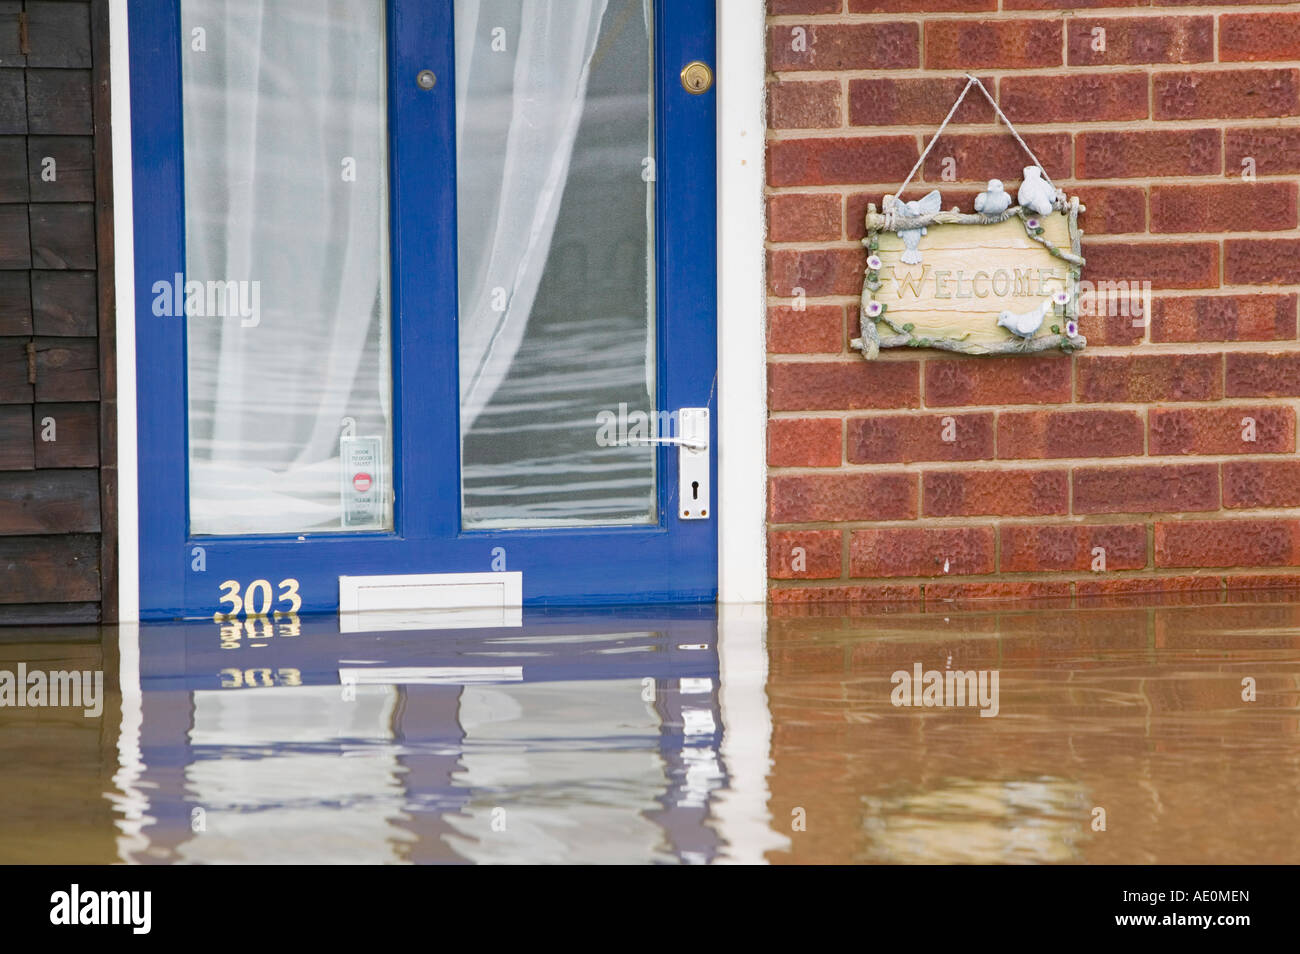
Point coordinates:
pixel 1047 521
pixel 1025 465
pixel 1137 182
pixel 1215 291
pixel 1111 13
pixel 1095 239
pixel 1058 128
pixel 1155 348
pixel 999 73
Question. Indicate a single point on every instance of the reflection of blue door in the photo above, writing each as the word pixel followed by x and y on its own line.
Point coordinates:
pixel 423 290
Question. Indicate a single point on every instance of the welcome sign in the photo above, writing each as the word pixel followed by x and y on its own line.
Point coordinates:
pixel 971 283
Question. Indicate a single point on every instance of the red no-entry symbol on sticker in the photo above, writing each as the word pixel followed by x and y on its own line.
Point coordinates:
pixel 361 482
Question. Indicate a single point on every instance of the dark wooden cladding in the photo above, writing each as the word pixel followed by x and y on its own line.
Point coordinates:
pixel 58 547
pixel 66 435
pixel 49 501
pixel 49 569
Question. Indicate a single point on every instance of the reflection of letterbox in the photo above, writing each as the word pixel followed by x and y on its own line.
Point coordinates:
pixel 362 481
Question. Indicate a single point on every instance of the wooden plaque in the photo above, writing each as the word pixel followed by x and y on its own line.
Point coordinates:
pixel 970 283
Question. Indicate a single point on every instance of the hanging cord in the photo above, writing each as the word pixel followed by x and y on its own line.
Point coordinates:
pixel 973 81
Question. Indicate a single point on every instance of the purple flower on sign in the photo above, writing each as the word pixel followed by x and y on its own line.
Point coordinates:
pixel 1071 329
pixel 1061 298
pixel 873 262
pixel 875 309
pixel 1031 224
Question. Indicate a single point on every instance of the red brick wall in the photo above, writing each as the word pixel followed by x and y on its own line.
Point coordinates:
pixel 1135 445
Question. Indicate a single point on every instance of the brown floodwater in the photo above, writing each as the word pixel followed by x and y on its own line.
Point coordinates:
pixel 1120 732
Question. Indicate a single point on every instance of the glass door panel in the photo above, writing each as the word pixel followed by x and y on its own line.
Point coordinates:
pixel 555 180
pixel 286 292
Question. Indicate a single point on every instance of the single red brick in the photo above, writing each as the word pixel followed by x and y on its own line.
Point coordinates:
pixel 839 46
pixel 1096 588
pixel 805 555
pixel 804 442
pixel 1076 97
pixel 804 162
pixel 1139 40
pixel 1261 483
pixel 1118 323
pixel 1164 488
pixel 1259 36
pixel 1164 264
pixel 1261 261
pixel 1018 590
pixel 1007 493
pixel 921 551
pixel 903 438
pixel 1220 93
pixel 799 596
pixel 991 44
pixel 810 498
pixel 1115 209
pixel 912 102
pixel 1042 435
pixel 819 272
pixel 1224 318
pixel 803 218
pixel 816 329
pixel 1070 4
pixel 810 105
pixel 1010 380
pixel 1139 153
pixel 1031 548
pixel 1252 374
pixel 1249 206
pixel 983 156
pixel 1221 430
pixel 1202 543
pixel 921 6
pixel 1114 378
pixel 1270 150
pixel 778 8
pixel 842 385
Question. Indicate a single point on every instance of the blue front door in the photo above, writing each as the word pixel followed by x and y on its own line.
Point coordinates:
pixel 423 288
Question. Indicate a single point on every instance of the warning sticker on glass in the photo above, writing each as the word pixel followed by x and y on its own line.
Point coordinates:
pixel 362 481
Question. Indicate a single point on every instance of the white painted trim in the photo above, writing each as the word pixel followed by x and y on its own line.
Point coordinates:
pixel 430 601
pixel 128 503
pixel 742 334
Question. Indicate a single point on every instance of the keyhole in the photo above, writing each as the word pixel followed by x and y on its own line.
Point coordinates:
pixel 695 490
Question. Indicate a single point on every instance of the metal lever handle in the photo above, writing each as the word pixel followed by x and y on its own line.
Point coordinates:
pixel 676 441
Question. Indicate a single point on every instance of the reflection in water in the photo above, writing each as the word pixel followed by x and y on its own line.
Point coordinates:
pixel 666 736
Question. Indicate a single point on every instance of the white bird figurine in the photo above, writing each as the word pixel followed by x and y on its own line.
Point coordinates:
pixel 1035 193
pixel 929 203
pixel 1026 324
pixel 993 202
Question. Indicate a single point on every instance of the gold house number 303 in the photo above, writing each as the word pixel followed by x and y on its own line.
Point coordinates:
pixel 256 599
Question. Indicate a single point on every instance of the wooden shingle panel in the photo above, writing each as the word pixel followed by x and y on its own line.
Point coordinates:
pixel 15 243
pixel 63 304
pixel 10 48
pixel 15 379
pixel 13 102
pixel 58 102
pixel 13 169
pixel 15 303
pixel 48 614
pixel 67 369
pixel 17 443
pixel 63 236
pixel 66 435
pixel 60 169
pixel 49 569
pixel 49 501
pixel 58 33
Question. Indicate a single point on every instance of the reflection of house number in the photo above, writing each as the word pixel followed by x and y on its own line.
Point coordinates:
pixel 256 600
pixel 253 678
pixel 257 628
